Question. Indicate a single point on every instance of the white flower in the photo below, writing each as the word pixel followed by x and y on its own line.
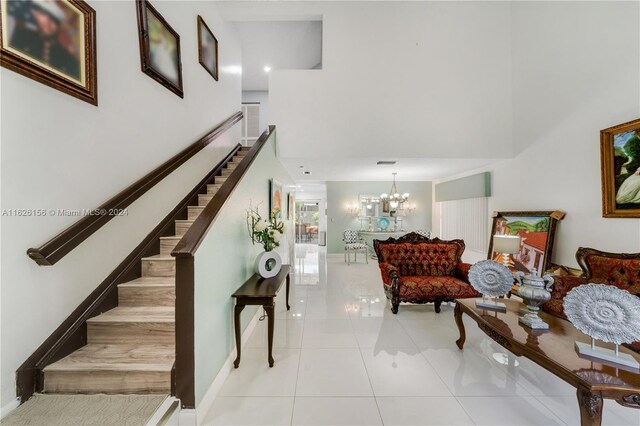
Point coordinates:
pixel 260 226
pixel 276 237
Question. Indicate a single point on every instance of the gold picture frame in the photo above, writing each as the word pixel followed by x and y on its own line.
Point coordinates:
pixel 53 43
pixel 620 169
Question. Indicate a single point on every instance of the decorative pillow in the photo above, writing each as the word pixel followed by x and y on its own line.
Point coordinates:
pixel 623 273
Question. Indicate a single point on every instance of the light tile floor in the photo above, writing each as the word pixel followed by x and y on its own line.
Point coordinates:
pixel 342 358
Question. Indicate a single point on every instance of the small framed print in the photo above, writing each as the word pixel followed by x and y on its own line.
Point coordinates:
pixel 52 42
pixel 159 48
pixel 207 48
pixel 275 200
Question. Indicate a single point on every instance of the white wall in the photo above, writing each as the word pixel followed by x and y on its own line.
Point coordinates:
pixel 406 79
pixel 290 45
pixel 576 70
pixel 225 260
pixel 342 194
pixel 263 98
pixel 60 152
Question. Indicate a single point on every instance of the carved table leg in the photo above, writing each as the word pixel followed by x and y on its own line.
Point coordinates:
pixel 270 320
pixel 238 309
pixel 458 316
pixel 288 285
pixel 590 407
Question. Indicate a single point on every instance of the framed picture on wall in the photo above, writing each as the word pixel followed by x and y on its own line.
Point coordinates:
pixel 275 199
pixel 159 48
pixel 620 169
pixel 537 231
pixel 207 48
pixel 290 206
pixel 386 206
pixel 52 42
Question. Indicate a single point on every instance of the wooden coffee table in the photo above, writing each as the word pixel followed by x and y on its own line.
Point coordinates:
pixel 554 351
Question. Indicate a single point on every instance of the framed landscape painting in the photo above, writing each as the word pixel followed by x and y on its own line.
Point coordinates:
pixel 207 48
pixel 275 199
pixel 53 42
pixel 159 48
pixel 537 232
pixel 620 168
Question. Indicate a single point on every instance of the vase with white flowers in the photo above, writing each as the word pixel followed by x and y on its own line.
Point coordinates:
pixel 268 233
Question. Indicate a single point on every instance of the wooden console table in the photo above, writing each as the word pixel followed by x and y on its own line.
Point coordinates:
pixel 554 351
pixel 259 291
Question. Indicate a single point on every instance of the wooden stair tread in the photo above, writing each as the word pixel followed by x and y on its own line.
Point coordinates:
pixel 159 256
pixel 123 357
pixel 150 281
pixel 136 314
pixel 172 237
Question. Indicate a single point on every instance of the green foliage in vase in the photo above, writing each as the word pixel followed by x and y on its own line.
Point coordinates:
pixel 264 232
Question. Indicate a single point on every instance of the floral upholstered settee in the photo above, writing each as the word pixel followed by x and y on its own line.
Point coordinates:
pixel 618 269
pixel 417 269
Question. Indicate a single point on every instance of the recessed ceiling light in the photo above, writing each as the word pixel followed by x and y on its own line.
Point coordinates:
pixel 307 172
pixel 386 163
pixel 267 68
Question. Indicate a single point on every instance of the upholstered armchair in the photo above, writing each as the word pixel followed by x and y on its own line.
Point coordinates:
pixel 618 269
pixel 416 269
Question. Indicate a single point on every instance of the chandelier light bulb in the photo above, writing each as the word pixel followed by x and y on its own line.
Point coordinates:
pixel 394 197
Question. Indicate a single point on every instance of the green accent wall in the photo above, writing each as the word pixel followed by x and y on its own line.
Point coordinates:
pixel 225 260
pixel 474 186
pixel 341 194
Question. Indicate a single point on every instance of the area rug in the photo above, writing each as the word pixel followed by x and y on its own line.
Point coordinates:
pixel 84 410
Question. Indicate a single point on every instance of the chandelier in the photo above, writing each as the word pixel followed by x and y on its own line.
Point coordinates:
pixel 394 197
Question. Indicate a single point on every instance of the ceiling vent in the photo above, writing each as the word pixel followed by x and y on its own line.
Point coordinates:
pixel 386 163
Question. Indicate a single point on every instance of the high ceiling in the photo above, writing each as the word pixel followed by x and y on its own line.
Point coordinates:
pixel 427 83
pixel 291 45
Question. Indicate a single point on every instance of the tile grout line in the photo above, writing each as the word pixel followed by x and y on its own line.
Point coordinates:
pixel 439 376
pixel 366 370
pixel 295 390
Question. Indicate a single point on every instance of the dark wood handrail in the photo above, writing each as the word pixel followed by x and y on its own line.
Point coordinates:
pixel 185 276
pixel 59 246
pixel 191 240
pixel 72 333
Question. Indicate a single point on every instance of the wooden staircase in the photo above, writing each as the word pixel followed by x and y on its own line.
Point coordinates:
pixel 131 348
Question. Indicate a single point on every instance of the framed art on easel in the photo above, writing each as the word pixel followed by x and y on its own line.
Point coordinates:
pixel 537 231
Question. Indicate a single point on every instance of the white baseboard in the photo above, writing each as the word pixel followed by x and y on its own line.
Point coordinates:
pixel 165 413
pixel 207 400
pixel 187 417
pixel 7 408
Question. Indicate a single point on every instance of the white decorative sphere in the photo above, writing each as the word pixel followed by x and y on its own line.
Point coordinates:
pixel 491 278
pixel 604 312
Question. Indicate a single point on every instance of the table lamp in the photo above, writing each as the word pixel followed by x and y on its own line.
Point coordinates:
pixel 506 244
